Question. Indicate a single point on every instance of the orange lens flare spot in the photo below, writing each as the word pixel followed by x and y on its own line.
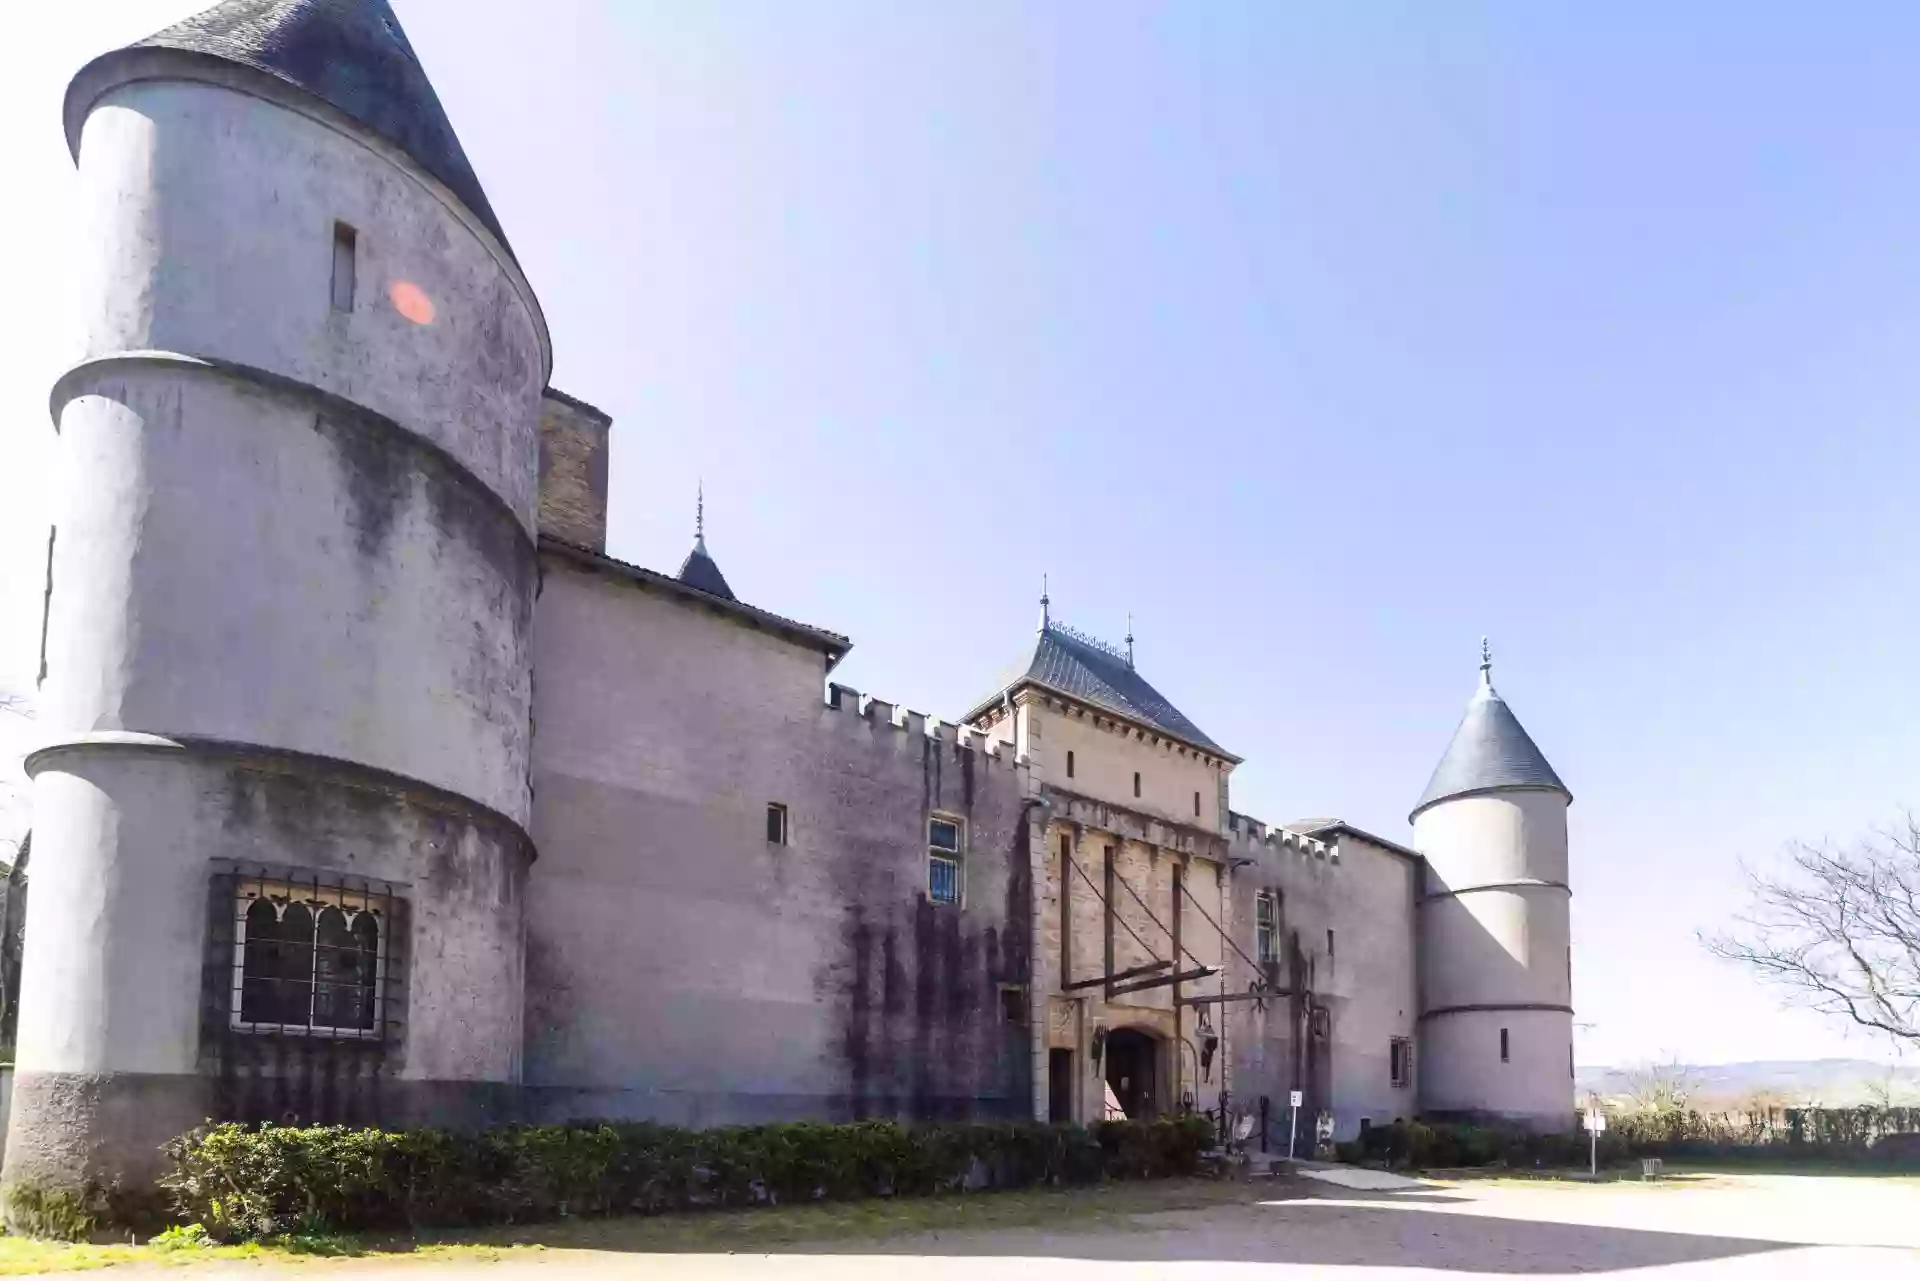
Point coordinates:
pixel 412 302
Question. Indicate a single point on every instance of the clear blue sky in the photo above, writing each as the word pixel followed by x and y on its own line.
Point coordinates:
pixel 1322 337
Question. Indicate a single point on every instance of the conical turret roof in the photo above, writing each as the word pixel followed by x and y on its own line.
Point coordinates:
pixel 1490 752
pixel 350 54
pixel 699 569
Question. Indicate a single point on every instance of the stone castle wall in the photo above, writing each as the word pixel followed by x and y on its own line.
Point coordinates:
pixel 684 968
pixel 573 470
pixel 1365 894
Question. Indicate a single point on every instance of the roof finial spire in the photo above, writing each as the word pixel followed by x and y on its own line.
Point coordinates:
pixel 700 515
pixel 1044 618
pixel 1129 638
pixel 1486 664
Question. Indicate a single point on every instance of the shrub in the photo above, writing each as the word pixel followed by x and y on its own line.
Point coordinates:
pixel 1845 1136
pixel 1439 1145
pixel 244 1181
pixel 188 1236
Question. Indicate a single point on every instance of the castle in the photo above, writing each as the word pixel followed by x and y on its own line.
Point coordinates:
pixel 377 791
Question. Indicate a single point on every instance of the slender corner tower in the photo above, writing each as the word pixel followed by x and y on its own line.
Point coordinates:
pixel 280 829
pixel 1496 961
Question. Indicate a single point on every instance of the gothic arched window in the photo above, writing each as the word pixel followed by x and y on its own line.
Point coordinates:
pixel 309 959
pixel 346 950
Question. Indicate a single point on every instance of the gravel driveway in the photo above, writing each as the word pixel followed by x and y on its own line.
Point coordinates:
pixel 1856 1229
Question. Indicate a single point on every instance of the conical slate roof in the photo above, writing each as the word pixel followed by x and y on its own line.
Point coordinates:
pixel 1489 752
pixel 699 570
pixel 1082 668
pixel 350 54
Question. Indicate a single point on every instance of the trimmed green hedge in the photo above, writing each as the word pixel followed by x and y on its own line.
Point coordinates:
pixel 242 1181
pixel 1437 1145
pixel 1859 1136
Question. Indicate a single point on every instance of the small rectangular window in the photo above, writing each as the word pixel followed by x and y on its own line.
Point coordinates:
pixel 776 823
pixel 1196 805
pixel 1503 1046
pixel 944 840
pixel 1329 945
pixel 1136 782
pixel 1069 764
pixel 344 240
pixel 1400 1056
pixel 1013 1006
pixel 1263 927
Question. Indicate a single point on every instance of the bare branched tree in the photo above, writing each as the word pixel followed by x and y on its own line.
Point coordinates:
pixel 1839 930
pixel 1886 1091
pixel 1660 1087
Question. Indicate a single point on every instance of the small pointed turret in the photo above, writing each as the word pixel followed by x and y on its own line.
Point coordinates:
pixel 699 570
pixel 1490 750
pixel 1496 956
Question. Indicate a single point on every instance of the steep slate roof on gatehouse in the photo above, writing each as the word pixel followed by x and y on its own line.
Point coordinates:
pixel 1490 752
pixel 1079 667
pixel 350 54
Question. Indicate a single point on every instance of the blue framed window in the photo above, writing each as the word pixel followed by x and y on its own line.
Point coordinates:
pixel 946 838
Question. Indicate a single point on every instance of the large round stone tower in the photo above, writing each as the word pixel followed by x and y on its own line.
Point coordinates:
pixel 280 829
pixel 1496 963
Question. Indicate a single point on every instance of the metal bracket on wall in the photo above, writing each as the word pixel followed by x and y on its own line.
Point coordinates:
pixel 1185 976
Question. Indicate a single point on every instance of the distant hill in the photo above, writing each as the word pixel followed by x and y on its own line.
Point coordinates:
pixel 1830 1082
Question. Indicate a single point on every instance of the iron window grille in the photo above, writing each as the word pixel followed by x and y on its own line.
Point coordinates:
pixel 311 956
pixel 1263 924
pixel 945 840
pixel 1400 1054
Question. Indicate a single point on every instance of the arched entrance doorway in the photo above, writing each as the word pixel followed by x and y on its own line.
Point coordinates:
pixel 1133 1073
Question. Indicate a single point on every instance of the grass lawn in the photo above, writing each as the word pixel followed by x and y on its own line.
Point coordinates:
pixel 1107 1208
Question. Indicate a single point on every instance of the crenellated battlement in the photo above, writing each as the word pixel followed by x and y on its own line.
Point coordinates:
pixel 1245 830
pixel 879 712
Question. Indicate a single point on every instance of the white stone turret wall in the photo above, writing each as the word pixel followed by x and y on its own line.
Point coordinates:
pixel 291 609
pixel 1495 954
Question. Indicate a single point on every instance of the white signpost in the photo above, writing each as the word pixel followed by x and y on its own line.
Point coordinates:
pixel 1293 1121
pixel 1595 1122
